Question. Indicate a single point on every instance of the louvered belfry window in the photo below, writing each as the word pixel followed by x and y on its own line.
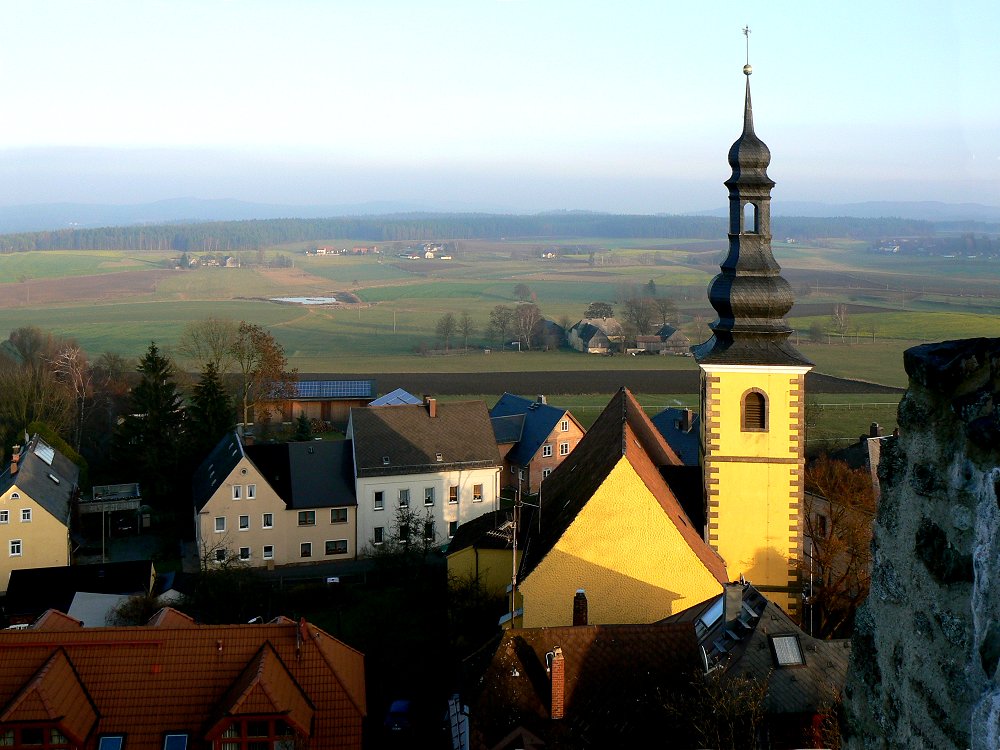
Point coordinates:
pixel 754 411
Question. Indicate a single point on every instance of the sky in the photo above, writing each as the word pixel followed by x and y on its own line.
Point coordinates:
pixel 523 105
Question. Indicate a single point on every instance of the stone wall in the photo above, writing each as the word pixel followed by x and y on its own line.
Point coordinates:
pixel 924 663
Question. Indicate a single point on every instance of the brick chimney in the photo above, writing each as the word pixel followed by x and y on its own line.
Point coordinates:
pixel 580 608
pixel 558 676
pixel 432 406
pixel 686 420
pixel 15 457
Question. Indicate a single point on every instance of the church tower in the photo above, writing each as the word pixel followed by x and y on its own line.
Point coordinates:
pixel 753 393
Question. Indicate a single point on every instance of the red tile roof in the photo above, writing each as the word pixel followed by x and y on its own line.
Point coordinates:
pixel 177 676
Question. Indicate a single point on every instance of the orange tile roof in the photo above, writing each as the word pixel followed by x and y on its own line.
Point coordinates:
pixel 176 676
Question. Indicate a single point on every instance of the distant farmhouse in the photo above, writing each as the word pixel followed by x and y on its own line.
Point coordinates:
pixel 596 335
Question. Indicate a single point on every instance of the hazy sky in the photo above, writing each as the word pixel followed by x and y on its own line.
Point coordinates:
pixel 519 104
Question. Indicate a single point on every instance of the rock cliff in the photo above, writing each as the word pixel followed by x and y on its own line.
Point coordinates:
pixel 924 664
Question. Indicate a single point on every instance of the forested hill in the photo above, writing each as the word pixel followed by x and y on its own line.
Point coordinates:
pixel 252 235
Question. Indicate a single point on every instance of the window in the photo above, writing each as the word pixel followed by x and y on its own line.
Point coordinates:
pixel 477 493
pixel 15 495
pixel 336 547
pixel 546 450
pixel 4 516
pixel 453 493
pixel 46 736
pixel 563 449
pixel 546 472
pixel 379 502
pixel 244 523
pixel 26 515
pixel 750 218
pixel 520 475
pixel 564 426
pixel 267 521
pixel 754 412
pixel 306 549
pixel 452 528
pixel 513 469
pixel 237 491
pixel 268 551
pixel 220 555
pixel 428 496
pixel 404 498
pixel 379 536
pixel 111 742
pixel 787 651
pixel 251 494
pixel 220 524
pixel 404 534
pixel 338 515
pixel 244 553
pixel 15 547
pixel 307 518
pixel 251 734
pixel 429 531
pixel 175 742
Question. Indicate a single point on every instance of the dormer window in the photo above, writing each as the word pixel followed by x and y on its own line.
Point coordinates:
pixel 385 460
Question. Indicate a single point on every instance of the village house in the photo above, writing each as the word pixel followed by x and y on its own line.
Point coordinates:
pixel 327 401
pixel 667 340
pixel 437 463
pixel 37 492
pixel 534 438
pixel 596 336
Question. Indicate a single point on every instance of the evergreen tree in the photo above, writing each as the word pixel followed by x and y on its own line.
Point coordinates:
pixel 150 438
pixel 211 413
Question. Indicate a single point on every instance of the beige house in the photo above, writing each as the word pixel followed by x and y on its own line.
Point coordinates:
pixel 275 504
pixel 596 335
pixel 37 492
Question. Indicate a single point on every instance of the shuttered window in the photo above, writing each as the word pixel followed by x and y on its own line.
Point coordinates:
pixel 754 411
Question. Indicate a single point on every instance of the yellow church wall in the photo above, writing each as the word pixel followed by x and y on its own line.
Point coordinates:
pixel 43 540
pixel 753 479
pixel 625 553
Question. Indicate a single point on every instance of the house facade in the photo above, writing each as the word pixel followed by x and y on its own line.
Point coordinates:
pixel 328 401
pixel 37 491
pixel 596 335
pixel 276 504
pixel 534 438
pixel 436 464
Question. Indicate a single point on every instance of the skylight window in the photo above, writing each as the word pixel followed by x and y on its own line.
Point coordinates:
pixel 45 452
pixel 54 478
pixel 787 650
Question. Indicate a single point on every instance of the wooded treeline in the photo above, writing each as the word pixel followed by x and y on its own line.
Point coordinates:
pixel 228 236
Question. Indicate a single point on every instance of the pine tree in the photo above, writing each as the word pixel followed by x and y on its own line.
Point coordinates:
pixel 211 413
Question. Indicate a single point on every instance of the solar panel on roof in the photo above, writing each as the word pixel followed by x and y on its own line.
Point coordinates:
pixel 45 452
pixel 334 388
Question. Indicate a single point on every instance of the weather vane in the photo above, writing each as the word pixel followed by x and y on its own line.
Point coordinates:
pixel 746 68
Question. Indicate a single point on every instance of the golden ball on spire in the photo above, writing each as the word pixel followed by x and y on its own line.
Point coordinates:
pixel 747 69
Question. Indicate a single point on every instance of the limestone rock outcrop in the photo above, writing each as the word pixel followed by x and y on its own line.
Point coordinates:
pixel 927 643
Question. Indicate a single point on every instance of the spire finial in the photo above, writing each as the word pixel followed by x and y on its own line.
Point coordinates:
pixel 747 70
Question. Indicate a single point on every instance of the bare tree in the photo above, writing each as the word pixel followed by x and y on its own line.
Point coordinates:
pixel 446 327
pixel 638 314
pixel 840 319
pixel 527 318
pixel 667 309
pixel 599 310
pixel 73 370
pixel 210 341
pixel 501 318
pixel 264 374
pixel 523 292
pixel 467 327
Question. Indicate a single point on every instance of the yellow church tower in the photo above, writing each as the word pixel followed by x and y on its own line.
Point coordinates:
pixel 753 393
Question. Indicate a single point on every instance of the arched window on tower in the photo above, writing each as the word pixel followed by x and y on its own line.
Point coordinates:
pixel 750 218
pixel 754 411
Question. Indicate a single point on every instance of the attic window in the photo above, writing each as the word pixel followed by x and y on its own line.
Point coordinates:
pixel 54 478
pixel 787 650
pixel 439 457
pixel 385 460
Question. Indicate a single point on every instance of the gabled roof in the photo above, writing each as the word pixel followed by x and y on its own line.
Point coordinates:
pixel 608 326
pixel 395 398
pixel 215 468
pixel 45 475
pixel 407 440
pixel 31 591
pixel 144 681
pixel 313 474
pixel 684 441
pixel 333 390
pixel 622 429
pixel 539 419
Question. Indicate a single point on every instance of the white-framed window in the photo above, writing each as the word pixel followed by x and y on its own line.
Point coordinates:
pixel 220 524
pixel 563 449
pixel 477 493
pixel 306 549
pixel 453 493
pixel 244 523
pixel 452 528
pixel 15 547
pixel 175 742
pixel 244 553
pixel 564 426
pixel 429 531
pixel 336 546
pixel 251 491
pixel 546 450
pixel 428 496
pixel 307 518
pixel 267 521
pixel 546 472
pixel 4 516
pixel 26 515
pixel 15 495
pixel 237 491
pixel 220 555
pixel 378 500
pixel 404 498
pixel 268 551
pixel 379 535
pixel 338 515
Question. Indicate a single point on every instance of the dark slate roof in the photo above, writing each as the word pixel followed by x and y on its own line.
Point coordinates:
pixel 215 468
pixel 45 475
pixel 328 390
pixel 685 443
pixel 622 429
pixel 410 439
pixel 491 531
pixel 33 590
pixel 395 398
pixel 724 350
pixel 313 474
pixel 615 679
pixel 539 421
pixel 508 429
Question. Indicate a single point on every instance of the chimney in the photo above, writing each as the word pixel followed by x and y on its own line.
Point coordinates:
pixel 684 423
pixel 432 406
pixel 15 456
pixel 541 398
pixel 874 430
pixel 580 608
pixel 558 676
